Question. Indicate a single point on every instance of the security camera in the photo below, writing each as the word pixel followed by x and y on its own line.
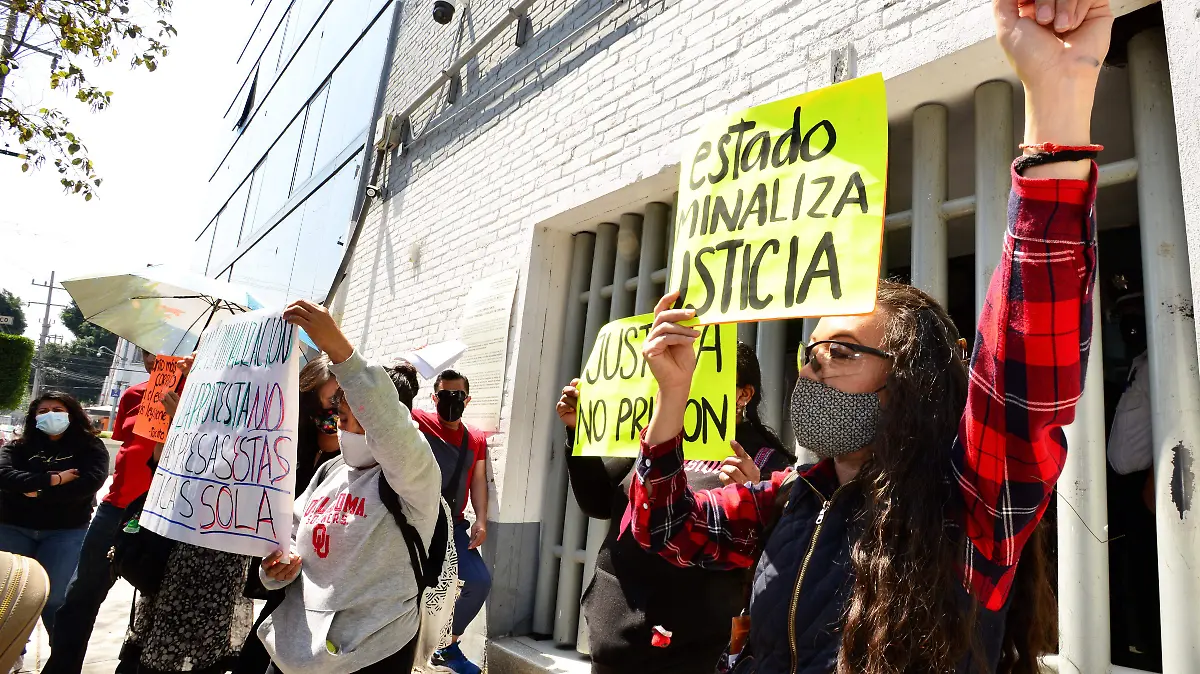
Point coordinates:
pixel 443 11
pixel 372 191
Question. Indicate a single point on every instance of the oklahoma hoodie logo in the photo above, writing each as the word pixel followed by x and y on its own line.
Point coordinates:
pixel 320 541
pixel 336 510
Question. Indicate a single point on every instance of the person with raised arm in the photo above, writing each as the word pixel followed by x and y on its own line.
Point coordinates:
pixel 353 602
pixel 914 544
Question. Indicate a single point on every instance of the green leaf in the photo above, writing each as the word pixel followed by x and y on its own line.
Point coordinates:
pixel 25 167
pixel 87 197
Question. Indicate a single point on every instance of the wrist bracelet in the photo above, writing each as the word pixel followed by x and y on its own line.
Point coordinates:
pixel 1041 158
pixel 1053 147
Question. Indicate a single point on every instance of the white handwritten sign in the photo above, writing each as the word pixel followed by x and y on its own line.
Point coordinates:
pixel 225 479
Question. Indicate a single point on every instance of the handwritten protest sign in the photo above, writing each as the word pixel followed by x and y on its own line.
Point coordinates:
pixel 225 479
pixel 781 208
pixel 617 389
pixel 152 420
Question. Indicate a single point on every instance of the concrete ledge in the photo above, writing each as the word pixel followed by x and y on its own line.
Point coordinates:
pixel 523 655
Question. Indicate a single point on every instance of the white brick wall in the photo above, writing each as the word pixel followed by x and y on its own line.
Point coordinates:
pixel 604 109
pixel 599 113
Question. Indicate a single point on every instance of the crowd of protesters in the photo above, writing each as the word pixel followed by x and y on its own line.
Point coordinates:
pixel 914 544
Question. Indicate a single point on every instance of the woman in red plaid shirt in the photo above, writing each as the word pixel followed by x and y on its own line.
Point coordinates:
pixel 899 551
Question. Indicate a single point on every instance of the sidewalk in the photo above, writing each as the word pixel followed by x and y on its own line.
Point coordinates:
pixel 109 633
pixel 107 637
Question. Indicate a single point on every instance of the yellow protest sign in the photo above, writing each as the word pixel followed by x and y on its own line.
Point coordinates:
pixel 617 390
pixel 781 207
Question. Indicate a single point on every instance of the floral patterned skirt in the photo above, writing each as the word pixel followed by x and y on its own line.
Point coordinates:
pixel 198 620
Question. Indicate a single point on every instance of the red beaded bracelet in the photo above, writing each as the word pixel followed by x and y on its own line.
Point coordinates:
pixel 1054 147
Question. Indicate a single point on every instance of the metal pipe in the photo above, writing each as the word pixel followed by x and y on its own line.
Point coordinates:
pixel 748 333
pixel 629 235
pixel 897 220
pixel 671 242
pixel 993 152
pixel 556 496
pixel 451 70
pixel 958 208
pixel 655 230
pixel 1083 608
pixel 1115 173
pixel 929 246
pixel 772 344
pixel 1174 383
pixel 570 574
pixel 625 266
pixel 1118 172
pixel 631 284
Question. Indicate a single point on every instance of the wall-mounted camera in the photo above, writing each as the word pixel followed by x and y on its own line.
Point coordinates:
pixel 443 11
pixel 372 191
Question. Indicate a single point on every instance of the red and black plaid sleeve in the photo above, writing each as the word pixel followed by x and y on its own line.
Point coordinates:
pixel 1026 376
pixel 716 529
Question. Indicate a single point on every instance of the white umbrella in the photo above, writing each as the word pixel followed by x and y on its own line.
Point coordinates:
pixel 160 309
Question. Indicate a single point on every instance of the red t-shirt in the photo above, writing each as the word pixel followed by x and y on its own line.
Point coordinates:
pixel 131 474
pixel 434 429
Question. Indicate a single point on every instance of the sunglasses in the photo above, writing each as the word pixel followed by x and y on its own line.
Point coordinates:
pixel 458 396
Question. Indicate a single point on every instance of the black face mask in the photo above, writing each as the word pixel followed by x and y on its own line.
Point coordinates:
pixel 450 405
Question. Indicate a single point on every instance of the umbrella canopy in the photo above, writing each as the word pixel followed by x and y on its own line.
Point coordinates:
pixel 160 309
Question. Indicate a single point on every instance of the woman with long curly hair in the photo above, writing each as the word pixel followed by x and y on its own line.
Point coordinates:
pixel 913 546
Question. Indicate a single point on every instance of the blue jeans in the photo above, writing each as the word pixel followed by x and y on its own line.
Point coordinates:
pixel 476 579
pixel 57 550
pixel 90 585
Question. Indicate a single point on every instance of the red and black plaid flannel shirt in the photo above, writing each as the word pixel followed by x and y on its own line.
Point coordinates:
pixel 1026 376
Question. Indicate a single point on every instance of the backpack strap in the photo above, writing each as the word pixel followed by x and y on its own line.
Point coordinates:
pixel 451 491
pixel 426 564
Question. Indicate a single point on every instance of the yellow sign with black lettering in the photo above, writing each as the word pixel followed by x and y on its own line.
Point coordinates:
pixel 781 208
pixel 617 393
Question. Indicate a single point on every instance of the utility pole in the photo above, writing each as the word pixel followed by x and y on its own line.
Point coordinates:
pixel 37 372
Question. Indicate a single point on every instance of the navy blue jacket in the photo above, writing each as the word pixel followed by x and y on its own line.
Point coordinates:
pixel 796 621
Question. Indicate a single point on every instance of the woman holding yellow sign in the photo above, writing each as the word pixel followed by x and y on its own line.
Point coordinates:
pixel 636 598
pixel 913 546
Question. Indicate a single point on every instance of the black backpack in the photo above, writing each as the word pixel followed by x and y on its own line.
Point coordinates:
pixel 139 555
pixel 426 563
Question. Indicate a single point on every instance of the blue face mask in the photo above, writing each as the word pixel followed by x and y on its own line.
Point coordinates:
pixel 53 423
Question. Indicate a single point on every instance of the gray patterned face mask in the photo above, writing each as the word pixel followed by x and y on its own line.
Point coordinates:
pixel 829 422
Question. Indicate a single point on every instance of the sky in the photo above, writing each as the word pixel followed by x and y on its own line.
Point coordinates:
pixel 154 148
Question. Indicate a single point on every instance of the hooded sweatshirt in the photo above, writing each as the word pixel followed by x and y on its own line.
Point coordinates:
pixel 355 601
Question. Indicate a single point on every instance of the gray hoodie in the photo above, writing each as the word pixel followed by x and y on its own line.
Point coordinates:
pixel 355 601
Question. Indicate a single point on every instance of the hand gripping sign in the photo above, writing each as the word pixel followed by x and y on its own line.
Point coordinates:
pixel 781 208
pixel 225 478
pixel 617 392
